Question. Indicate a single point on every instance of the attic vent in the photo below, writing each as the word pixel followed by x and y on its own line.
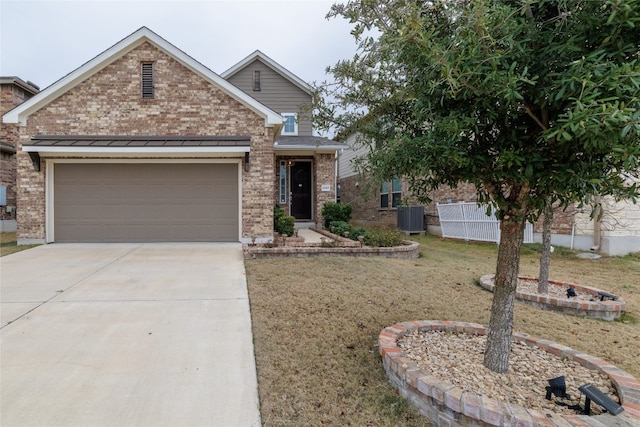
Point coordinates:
pixel 256 81
pixel 147 80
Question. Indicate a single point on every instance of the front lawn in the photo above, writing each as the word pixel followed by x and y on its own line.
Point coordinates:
pixel 316 323
pixel 8 244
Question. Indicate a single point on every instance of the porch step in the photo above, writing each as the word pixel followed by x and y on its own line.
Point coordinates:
pixel 304 224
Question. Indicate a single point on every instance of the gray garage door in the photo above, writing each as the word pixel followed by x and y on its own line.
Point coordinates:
pixel 147 202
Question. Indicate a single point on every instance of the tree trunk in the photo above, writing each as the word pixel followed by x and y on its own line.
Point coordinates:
pixel 545 258
pixel 496 354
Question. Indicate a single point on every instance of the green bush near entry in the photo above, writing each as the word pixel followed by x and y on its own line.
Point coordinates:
pixel 336 212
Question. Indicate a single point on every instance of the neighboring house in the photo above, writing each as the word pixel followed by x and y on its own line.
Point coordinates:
pixel 616 233
pixel 143 143
pixel 13 92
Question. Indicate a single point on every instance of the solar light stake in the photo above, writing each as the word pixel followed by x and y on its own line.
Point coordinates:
pixel 557 387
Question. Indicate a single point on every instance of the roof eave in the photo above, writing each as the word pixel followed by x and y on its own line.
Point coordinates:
pixel 313 149
pixel 53 150
pixel 14 80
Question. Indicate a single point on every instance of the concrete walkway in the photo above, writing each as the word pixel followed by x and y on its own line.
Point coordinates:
pixel 310 236
pixel 126 335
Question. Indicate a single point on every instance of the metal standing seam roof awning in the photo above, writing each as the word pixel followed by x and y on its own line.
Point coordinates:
pixel 61 145
pixel 45 142
pixel 308 144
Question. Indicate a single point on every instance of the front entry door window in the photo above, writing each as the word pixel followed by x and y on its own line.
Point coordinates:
pixel 301 191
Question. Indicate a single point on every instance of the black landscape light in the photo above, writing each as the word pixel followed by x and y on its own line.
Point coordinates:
pixel 571 292
pixel 557 387
pixel 592 393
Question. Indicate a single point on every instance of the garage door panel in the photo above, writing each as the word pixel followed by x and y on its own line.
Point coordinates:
pixel 109 202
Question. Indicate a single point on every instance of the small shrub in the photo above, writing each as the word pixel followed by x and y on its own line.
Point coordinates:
pixel 341 228
pixel 286 225
pixel 278 212
pixel 336 212
pixel 383 237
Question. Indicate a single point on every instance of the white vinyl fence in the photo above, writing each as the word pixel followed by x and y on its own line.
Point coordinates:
pixel 469 221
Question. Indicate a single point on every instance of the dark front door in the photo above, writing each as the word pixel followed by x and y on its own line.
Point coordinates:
pixel 301 190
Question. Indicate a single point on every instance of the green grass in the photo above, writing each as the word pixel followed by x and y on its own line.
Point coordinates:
pixel 316 323
pixel 9 244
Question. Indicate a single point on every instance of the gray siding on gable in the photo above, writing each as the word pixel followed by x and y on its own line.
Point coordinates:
pixel 346 156
pixel 277 92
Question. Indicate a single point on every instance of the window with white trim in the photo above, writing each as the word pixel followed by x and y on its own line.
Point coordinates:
pixel 391 191
pixel 290 124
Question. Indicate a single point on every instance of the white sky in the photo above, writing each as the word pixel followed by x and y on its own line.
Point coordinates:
pixel 42 41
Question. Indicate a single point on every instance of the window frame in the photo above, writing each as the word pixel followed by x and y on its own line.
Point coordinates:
pixel 391 191
pixel 294 132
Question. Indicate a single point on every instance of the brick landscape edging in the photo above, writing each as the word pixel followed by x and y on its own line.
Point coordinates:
pixel 447 405
pixel 343 247
pixel 409 250
pixel 604 310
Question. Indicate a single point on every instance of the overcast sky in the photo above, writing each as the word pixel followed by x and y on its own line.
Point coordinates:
pixel 42 41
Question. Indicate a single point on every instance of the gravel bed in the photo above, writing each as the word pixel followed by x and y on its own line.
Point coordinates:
pixel 457 359
pixel 557 291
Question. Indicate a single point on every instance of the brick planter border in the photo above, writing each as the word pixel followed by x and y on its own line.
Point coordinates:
pixel 446 405
pixel 408 251
pixel 342 247
pixel 604 310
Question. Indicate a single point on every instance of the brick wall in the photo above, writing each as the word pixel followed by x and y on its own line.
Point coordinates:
pixel 11 95
pixel 324 175
pixel 109 103
pixel 444 194
pixel 365 199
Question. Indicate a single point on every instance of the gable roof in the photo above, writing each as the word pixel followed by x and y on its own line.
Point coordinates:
pixel 20 114
pixel 273 65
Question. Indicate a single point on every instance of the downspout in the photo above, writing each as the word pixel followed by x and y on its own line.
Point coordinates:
pixel 597 229
pixel 335 176
pixel 573 232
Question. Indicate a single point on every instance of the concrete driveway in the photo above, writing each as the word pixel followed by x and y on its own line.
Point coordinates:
pixel 126 335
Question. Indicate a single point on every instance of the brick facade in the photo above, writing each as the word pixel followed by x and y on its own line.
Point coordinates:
pixel 324 175
pixel 323 170
pixel 13 92
pixel 109 103
pixel 366 201
pixel 465 192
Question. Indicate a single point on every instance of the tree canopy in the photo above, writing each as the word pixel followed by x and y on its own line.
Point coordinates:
pixel 533 101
